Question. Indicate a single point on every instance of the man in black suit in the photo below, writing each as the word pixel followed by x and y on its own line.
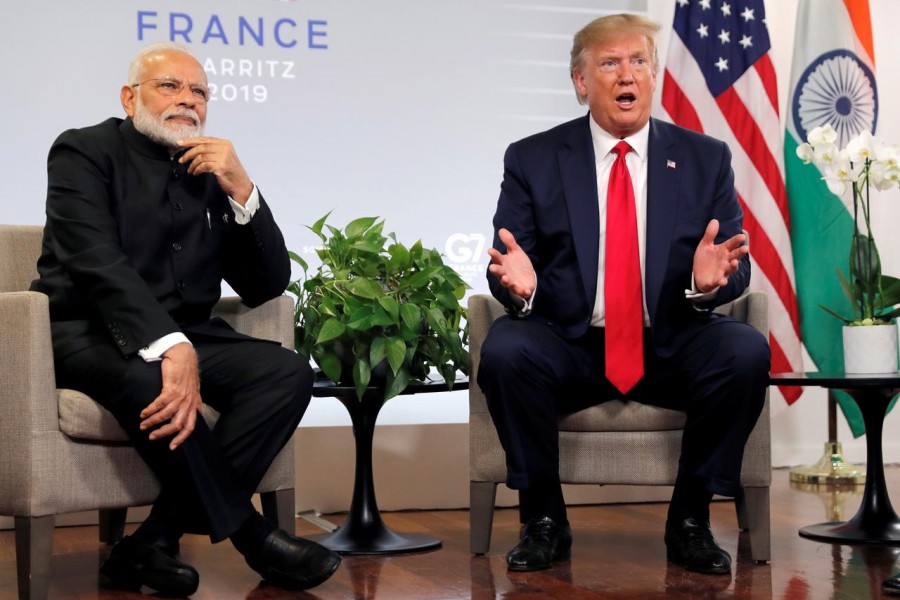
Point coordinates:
pixel 145 219
pixel 616 234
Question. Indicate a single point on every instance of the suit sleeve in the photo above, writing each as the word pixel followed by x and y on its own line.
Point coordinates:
pixel 514 212
pixel 85 241
pixel 257 265
pixel 727 210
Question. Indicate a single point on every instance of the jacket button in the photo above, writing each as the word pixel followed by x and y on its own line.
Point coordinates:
pixel 180 285
pixel 176 247
pixel 178 206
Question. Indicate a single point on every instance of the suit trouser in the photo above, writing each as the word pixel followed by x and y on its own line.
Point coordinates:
pixel 530 374
pixel 261 391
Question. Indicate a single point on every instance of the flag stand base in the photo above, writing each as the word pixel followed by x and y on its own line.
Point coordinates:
pixel 830 469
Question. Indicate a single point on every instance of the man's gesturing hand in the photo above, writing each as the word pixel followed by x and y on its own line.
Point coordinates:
pixel 217 156
pixel 513 269
pixel 179 401
pixel 714 264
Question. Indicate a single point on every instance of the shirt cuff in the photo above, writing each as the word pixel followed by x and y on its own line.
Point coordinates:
pixel 523 306
pixel 243 214
pixel 155 350
pixel 698 297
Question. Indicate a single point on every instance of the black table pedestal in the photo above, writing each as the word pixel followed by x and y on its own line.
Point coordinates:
pixel 875 522
pixel 364 532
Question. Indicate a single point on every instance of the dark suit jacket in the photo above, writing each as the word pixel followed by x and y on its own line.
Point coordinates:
pixel 548 200
pixel 135 248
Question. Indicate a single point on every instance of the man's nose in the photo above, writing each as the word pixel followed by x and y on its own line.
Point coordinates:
pixel 185 97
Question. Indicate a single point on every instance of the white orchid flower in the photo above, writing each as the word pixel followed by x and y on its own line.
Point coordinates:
pixel 824 134
pixel 862 147
pixel 806 153
pixel 889 155
pixel 838 174
pixel 826 153
pixel 884 175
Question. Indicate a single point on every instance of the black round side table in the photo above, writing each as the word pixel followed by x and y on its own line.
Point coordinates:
pixel 364 532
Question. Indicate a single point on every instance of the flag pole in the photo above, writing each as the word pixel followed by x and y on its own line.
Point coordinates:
pixel 831 468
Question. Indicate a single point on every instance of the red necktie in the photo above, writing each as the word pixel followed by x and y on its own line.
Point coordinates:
pixel 622 280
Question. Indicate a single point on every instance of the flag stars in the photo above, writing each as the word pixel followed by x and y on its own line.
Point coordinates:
pixel 748 15
pixel 703 30
pixel 705 4
pixel 722 64
pixel 725 36
pixel 683 3
pixel 746 41
pixel 726 9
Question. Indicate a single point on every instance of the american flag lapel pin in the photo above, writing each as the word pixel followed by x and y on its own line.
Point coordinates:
pixel 670 164
pixel 225 218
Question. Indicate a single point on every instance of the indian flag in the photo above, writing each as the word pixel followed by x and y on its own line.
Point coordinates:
pixel 832 81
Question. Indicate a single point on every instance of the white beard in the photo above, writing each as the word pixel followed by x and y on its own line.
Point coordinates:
pixel 163 132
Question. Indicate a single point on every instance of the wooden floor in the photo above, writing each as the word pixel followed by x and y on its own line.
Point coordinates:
pixel 618 553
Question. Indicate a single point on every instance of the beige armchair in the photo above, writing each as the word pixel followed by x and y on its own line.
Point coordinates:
pixel 613 443
pixel 62 452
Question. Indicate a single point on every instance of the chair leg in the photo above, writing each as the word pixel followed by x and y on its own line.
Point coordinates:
pixel 278 507
pixel 482 496
pixel 756 509
pixel 34 548
pixel 740 506
pixel 112 525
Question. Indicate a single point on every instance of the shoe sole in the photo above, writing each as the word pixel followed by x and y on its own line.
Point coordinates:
pixel 562 555
pixel 290 582
pixel 674 558
pixel 121 575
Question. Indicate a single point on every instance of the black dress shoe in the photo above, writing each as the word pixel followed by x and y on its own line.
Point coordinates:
pixel 690 543
pixel 132 564
pixel 891 585
pixel 542 542
pixel 292 562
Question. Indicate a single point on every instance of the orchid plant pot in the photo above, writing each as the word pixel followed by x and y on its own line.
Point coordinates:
pixel 870 349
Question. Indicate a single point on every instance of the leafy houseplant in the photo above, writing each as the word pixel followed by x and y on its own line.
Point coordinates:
pixel 863 164
pixel 378 311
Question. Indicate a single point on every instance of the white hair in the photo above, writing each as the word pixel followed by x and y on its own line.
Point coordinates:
pixel 137 63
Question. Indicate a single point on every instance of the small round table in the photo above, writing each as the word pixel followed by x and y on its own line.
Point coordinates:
pixel 364 532
pixel 875 522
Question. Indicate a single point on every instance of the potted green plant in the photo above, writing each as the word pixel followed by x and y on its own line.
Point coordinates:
pixel 869 336
pixel 378 311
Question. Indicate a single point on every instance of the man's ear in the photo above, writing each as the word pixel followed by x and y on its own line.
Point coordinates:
pixel 128 98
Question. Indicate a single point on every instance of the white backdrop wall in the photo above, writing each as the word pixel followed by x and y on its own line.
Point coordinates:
pixel 395 108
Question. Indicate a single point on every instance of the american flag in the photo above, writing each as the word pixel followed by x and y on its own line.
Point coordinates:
pixel 719 80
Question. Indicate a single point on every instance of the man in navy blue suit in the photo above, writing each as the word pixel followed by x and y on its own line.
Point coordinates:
pixel 557 265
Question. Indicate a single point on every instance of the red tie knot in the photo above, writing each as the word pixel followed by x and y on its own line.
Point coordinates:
pixel 622 148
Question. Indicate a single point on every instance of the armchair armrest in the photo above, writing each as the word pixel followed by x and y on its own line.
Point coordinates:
pixel 272 320
pixel 28 399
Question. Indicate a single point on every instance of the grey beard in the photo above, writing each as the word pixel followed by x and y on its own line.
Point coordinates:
pixel 165 134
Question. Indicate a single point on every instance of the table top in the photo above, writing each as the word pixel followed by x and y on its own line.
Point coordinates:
pixel 325 388
pixel 837 379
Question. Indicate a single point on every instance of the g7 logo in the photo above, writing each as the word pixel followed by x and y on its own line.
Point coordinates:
pixel 465 247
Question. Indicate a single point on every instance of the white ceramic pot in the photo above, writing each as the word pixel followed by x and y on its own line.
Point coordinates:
pixel 870 349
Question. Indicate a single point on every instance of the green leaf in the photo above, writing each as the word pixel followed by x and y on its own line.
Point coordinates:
pixel 331 366
pixel 397 383
pixel 364 288
pixel 367 246
pixel 378 350
pixel 835 315
pixel 357 227
pixel 411 316
pixel 297 259
pixel 362 373
pixel 396 353
pixel 380 318
pixel 437 321
pixel 331 329
pixel 317 226
pixel 389 304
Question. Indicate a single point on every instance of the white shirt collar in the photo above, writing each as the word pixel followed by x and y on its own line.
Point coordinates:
pixel 604 142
